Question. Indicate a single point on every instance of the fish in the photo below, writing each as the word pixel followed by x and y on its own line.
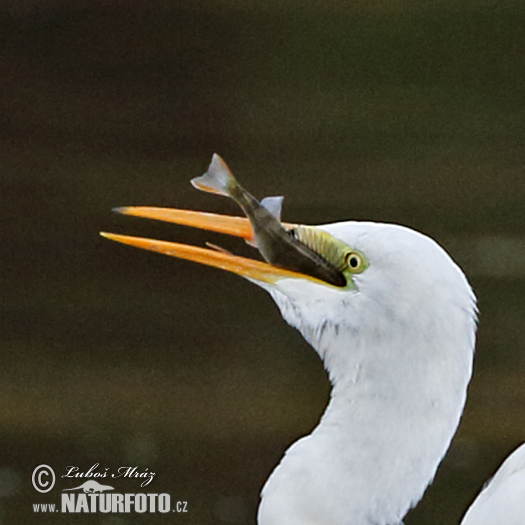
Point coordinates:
pixel 277 245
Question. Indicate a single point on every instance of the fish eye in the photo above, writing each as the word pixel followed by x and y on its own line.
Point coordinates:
pixel 355 262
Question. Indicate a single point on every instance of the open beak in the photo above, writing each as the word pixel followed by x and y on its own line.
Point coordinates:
pixel 236 226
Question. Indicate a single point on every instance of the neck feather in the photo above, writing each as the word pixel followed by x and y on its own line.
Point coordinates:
pixel 395 405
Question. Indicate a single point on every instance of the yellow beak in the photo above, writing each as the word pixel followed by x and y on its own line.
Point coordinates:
pixel 237 226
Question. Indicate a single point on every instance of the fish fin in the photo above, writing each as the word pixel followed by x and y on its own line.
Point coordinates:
pixel 251 241
pixel 273 205
pixel 218 248
pixel 218 179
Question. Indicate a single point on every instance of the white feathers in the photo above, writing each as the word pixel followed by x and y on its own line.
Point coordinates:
pixel 398 350
pixel 502 501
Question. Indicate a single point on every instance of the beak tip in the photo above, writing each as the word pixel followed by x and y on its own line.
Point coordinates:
pixel 120 209
pixel 110 236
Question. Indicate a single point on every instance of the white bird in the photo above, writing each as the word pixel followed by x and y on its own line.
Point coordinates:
pixel 397 341
pixel 502 501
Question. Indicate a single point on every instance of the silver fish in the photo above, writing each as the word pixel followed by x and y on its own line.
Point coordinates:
pixel 277 245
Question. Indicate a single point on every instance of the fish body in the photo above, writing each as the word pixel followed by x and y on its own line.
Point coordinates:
pixel 277 245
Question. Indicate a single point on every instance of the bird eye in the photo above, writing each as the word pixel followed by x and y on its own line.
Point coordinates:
pixel 355 262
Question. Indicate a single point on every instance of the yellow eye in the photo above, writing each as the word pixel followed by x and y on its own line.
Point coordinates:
pixel 355 262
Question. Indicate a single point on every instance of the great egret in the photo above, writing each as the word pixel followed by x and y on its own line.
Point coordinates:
pixel 502 501
pixel 397 341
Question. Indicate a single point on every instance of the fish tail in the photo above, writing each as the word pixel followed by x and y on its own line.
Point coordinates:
pixel 218 179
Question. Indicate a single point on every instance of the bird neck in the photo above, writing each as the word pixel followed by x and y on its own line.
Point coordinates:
pixel 395 405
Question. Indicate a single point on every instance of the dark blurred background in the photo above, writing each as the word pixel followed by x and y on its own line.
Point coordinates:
pixel 395 111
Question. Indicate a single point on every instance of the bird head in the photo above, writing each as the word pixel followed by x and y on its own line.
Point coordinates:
pixel 397 340
pixel 395 278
